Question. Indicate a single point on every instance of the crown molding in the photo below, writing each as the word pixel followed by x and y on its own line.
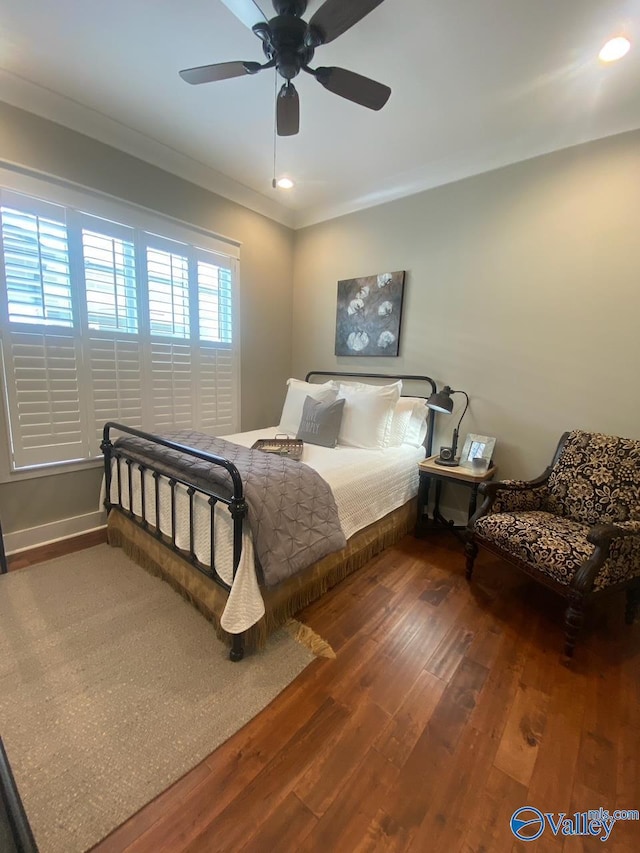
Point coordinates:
pixel 445 173
pixel 25 95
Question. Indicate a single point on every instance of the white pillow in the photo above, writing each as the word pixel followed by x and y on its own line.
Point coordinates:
pixel 401 417
pixel 409 425
pixel 367 386
pixel 297 393
pixel 368 414
pixel 417 429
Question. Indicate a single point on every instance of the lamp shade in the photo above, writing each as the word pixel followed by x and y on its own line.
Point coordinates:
pixel 441 401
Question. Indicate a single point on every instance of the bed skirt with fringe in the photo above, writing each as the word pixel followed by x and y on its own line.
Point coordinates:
pixel 281 602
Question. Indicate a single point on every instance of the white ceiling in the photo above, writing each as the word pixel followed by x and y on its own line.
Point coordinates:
pixel 476 84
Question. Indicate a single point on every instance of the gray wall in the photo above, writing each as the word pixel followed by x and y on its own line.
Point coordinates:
pixel 523 289
pixel 266 285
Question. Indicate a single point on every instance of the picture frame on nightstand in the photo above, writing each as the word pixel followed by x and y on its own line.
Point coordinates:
pixel 477 447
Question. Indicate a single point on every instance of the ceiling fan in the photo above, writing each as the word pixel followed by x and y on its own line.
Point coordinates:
pixel 289 44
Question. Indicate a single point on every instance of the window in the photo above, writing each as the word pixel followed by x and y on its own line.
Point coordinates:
pixel 36 260
pixel 106 321
pixel 110 282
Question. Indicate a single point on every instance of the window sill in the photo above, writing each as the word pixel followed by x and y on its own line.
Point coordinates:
pixel 49 470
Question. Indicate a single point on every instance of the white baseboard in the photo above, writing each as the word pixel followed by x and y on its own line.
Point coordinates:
pixel 44 534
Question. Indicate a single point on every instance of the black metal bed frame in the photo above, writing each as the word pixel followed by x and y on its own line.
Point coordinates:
pixel 115 457
pixel 236 503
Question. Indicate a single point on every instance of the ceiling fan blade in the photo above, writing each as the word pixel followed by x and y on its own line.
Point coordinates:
pixel 219 71
pixel 354 87
pixel 288 111
pixel 335 17
pixel 246 11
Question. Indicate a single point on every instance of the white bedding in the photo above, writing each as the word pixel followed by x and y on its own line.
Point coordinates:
pixel 366 485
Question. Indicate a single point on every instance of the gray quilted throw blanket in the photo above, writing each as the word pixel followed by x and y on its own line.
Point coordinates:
pixel 292 512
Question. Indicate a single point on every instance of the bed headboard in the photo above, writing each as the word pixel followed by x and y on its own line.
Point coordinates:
pixel 424 383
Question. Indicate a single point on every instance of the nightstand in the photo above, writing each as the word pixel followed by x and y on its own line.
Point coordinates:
pixel 430 470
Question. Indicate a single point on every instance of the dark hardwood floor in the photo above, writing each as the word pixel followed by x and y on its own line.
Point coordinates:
pixel 447 708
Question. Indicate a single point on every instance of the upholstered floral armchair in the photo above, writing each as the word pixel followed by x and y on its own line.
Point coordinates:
pixel 575 529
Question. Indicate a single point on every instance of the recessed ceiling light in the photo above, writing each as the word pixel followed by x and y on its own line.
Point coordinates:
pixel 614 49
pixel 285 183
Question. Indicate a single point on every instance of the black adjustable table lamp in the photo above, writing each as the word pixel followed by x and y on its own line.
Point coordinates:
pixel 441 402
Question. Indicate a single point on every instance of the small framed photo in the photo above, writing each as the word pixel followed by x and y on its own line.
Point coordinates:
pixel 477 447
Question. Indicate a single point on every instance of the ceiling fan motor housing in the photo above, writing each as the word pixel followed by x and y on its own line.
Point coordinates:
pixel 283 40
pixel 297 8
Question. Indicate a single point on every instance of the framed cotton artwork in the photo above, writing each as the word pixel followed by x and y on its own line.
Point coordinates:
pixel 368 314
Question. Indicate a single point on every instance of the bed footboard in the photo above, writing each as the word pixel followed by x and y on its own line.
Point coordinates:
pixel 115 457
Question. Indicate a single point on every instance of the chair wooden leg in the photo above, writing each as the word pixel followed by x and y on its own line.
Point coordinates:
pixel 633 602
pixel 574 617
pixel 471 550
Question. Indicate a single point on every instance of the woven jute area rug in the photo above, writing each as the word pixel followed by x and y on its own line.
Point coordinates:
pixel 112 687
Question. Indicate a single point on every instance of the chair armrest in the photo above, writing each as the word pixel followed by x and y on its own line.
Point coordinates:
pixel 512 495
pixel 602 534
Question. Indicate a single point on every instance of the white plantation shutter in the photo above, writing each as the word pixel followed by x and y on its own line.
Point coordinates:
pixel 36 262
pixel 44 396
pixel 168 288
pixel 172 386
pixel 170 364
pixel 115 367
pixel 216 384
pixel 113 351
pixel 106 322
pixel 214 302
pixel 216 373
pixel 190 289
pixel 110 279
pixel 40 352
